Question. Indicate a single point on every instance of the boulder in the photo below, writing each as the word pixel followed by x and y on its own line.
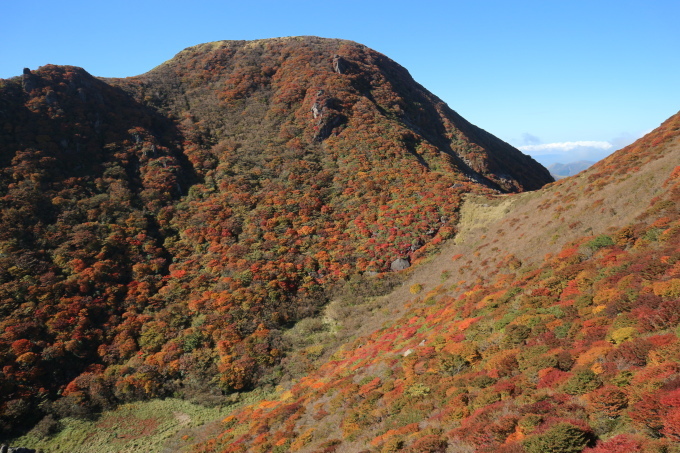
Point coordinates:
pixel 400 264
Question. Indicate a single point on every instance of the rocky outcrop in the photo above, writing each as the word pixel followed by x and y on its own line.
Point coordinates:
pixel 28 80
pixel 327 115
pixel 400 264
pixel 338 64
pixel 4 448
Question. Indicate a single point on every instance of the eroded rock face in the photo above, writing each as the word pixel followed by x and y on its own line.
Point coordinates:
pixel 338 64
pixel 7 449
pixel 400 264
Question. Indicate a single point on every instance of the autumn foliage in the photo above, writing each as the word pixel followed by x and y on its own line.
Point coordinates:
pixel 579 353
pixel 164 235
pixel 157 233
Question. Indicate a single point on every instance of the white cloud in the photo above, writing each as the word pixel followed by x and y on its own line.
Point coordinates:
pixel 564 147
pixel 625 139
pixel 529 139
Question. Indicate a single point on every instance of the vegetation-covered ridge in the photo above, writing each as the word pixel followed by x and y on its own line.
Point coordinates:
pixel 158 233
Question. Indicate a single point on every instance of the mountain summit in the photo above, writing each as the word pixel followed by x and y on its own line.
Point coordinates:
pixel 308 91
pixel 158 233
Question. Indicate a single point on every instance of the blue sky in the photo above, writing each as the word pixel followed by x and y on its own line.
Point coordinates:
pixel 584 77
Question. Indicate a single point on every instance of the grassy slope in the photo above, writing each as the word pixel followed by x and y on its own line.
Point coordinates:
pixel 161 425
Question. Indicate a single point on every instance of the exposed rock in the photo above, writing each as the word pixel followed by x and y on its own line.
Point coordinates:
pixel 316 110
pixel 326 124
pixel 7 449
pixel 400 264
pixel 29 80
pixel 51 97
pixel 338 64
pixel 326 111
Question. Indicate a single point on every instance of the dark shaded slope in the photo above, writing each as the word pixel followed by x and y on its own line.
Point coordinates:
pixel 85 173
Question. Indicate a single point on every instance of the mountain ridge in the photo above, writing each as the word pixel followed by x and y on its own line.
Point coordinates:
pixel 324 52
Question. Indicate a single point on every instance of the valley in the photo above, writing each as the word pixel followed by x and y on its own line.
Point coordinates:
pixel 213 240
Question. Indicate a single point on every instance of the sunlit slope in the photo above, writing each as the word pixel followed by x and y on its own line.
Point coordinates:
pixel 558 332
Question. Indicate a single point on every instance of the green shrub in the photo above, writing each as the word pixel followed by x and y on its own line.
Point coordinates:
pixel 599 242
pixel 562 331
pixel 561 438
pixel 582 382
pixel 516 334
pixel 418 390
pixel 652 235
pixel 452 363
pixel 528 357
pixel 623 334
pixel 582 301
pixel 529 423
pixel 505 320
pixel 622 379
pixel 482 381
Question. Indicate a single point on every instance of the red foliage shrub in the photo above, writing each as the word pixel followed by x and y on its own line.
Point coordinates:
pixel 630 353
pixel 431 443
pixel 551 378
pixel 608 400
pixel 648 412
pixel 671 423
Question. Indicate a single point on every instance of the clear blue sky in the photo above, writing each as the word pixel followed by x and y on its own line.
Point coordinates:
pixel 530 72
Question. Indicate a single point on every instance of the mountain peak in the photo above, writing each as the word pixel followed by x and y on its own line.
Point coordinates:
pixel 351 83
pixel 175 223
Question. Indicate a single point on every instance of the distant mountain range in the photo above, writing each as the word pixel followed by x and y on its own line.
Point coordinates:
pixel 559 170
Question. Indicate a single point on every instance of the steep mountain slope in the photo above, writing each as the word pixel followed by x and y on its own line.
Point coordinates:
pixel 574 347
pixel 159 233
